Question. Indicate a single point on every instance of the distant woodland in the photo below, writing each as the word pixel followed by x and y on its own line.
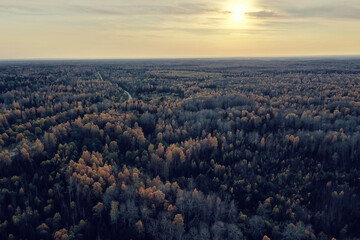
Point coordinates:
pixel 205 149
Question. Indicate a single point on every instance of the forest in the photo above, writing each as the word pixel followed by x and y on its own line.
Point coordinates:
pixel 205 149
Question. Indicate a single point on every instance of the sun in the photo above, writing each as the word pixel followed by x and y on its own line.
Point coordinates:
pixel 238 12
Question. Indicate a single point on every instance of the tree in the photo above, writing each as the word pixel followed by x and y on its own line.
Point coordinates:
pixel 61 235
pixel 38 147
pixel 218 230
pixel 50 141
pixel 140 228
pixel 98 209
pixel 25 154
pixel 97 189
pixel 56 220
pixel 19 137
pixel 43 230
pixel 233 232
pixel 114 212
pixel 5 158
pixel 295 232
pixel 178 223
pixel 256 226
pixel 113 146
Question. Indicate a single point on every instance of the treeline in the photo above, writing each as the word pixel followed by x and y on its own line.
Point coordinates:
pixel 210 153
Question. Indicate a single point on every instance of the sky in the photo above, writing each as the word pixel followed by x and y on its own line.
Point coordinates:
pixel 93 29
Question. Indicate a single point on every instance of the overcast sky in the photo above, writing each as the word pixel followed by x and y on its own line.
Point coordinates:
pixel 174 28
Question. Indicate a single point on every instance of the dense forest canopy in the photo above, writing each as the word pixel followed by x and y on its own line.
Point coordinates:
pixel 205 149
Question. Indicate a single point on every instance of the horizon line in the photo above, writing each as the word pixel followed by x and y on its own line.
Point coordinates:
pixel 331 56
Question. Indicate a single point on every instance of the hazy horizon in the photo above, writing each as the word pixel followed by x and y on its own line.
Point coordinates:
pixel 295 57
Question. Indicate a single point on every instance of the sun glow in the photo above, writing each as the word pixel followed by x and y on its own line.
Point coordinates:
pixel 238 12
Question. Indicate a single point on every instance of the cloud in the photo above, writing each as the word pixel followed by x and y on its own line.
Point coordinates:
pixel 21 10
pixel 263 14
pixel 328 12
pixel 137 15
pixel 153 9
pixel 320 9
pixel 207 30
pixel 114 8
pixel 190 16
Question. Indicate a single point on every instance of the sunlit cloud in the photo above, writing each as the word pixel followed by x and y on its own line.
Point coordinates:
pixel 327 9
pixel 164 26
